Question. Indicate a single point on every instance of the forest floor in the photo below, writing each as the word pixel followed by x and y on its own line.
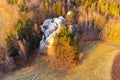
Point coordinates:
pixel 101 61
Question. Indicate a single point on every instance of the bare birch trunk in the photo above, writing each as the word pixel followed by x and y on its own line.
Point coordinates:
pixel 22 49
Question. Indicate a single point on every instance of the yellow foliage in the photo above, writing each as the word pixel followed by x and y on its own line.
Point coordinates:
pixel 111 32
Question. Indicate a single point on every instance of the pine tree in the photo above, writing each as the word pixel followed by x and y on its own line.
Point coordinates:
pixel 54 8
pixel 59 8
pixel 63 50
pixel 46 8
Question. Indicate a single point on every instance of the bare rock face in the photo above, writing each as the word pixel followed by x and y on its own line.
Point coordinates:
pixel 50 28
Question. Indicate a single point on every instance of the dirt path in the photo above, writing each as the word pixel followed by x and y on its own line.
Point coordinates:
pixel 116 65
pixel 116 68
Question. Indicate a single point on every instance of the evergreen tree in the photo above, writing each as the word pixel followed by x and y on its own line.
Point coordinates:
pixel 46 8
pixel 63 50
pixel 59 8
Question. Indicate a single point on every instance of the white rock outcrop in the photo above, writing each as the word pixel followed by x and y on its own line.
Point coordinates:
pixel 50 28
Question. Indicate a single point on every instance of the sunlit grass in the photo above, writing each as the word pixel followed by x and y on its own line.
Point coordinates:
pixel 97 64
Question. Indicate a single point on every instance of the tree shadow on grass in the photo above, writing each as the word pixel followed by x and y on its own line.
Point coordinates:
pixel 87 47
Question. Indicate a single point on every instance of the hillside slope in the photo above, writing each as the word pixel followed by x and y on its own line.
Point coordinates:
pixel 8 18
pixel 96 65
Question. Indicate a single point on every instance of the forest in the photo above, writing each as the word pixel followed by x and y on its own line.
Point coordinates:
pixel 89 52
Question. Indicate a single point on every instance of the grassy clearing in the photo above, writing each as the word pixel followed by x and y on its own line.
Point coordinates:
pixel 96 65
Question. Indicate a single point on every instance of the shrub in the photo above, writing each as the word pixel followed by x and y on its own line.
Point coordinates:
pixel 25 31
pixel 63 50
